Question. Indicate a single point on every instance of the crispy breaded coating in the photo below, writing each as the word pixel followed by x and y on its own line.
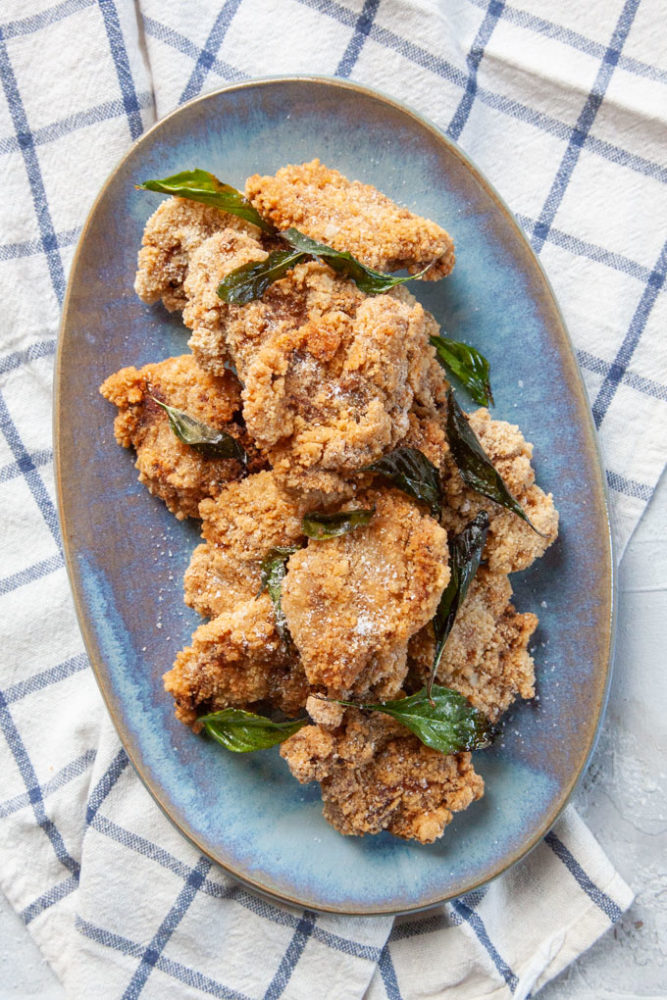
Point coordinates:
pixel 348 215
pixel 171 235
pixel 486 655
pixel 511 544
pixel 240 526
pixel 172 470
pixel 237 660
pixel 353 602
pixel 205 313
pixel 375 775
pixel 328 714
pixel 329 373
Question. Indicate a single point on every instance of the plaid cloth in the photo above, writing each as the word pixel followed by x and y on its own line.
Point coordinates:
pixel 564 107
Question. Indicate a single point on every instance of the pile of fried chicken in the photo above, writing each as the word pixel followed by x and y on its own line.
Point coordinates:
pixel 317 380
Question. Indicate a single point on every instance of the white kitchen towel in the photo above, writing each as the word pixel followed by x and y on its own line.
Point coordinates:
pixel 564 108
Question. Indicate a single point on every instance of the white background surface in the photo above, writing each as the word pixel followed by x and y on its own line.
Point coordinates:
pixel 623 799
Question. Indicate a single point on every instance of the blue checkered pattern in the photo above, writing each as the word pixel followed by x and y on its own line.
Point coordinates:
pixel 564 107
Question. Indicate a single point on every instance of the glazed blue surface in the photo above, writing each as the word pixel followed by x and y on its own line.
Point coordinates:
pixel 127 554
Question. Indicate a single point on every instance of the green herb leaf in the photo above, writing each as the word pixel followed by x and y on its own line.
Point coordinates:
pixel 469 366
pixel 444 721
pixel 250 281
pixel 411 471
pixel 318 525
pixel 474 465
pixel 370 281
pixel 207 440
pixel 241 731
pixel 465 554
pixel 200 185
pixel 273 571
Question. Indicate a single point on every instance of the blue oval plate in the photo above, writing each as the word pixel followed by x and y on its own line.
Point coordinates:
pixel 126 554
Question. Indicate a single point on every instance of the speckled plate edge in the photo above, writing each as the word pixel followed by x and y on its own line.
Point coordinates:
pixel 607 577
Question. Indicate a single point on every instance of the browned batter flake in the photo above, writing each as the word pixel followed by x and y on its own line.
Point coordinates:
pixel 375 776
pixel 172 470
pixel 240 526
pixel 486 655
pixel 348 215
pixel 171 236
pixel 353 602
pixel 237 660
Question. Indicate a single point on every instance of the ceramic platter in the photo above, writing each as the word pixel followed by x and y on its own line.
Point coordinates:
pixel 126 554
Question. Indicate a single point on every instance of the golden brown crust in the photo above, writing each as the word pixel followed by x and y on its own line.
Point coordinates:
pixel 348 215
pixel 172 470
pixel 237 660
pixel 205 313
pixel 240 526
pixel 486 655
pixel 353 602
pixel 375 776
pixel 171 235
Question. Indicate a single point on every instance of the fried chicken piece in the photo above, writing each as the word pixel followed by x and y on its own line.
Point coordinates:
pixel 348 215
pixel 205 313
pixel 329 373
pixel 375 775
pixel 511 544
pixel 240 526
pixel 237 660
pixel 486 655
pixel 171 235
pixel 352 602
pixel 172 470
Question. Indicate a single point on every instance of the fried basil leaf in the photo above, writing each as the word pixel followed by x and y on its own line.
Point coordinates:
pixel 272 573
pixel 319 526
pixel 474 465
pixel 241 731
pixel 444 721
pixel 465 554
pixel 411 471
pixel 470 367
pixel 200 185
pixel 207 440
pixel 367 279
pixel 250 281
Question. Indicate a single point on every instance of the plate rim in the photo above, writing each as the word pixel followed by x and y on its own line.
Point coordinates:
pixel 607 583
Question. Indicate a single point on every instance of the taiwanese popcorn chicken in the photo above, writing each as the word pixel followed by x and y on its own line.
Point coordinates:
pixel 486 655
pixel 512 544
pixel 326 379
pixel 172 234
pixel 241 525
pixel 375 776
pixel 329 374
pixel 237 659
pixel 351 216
pixel 170 469
pixel 352 602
